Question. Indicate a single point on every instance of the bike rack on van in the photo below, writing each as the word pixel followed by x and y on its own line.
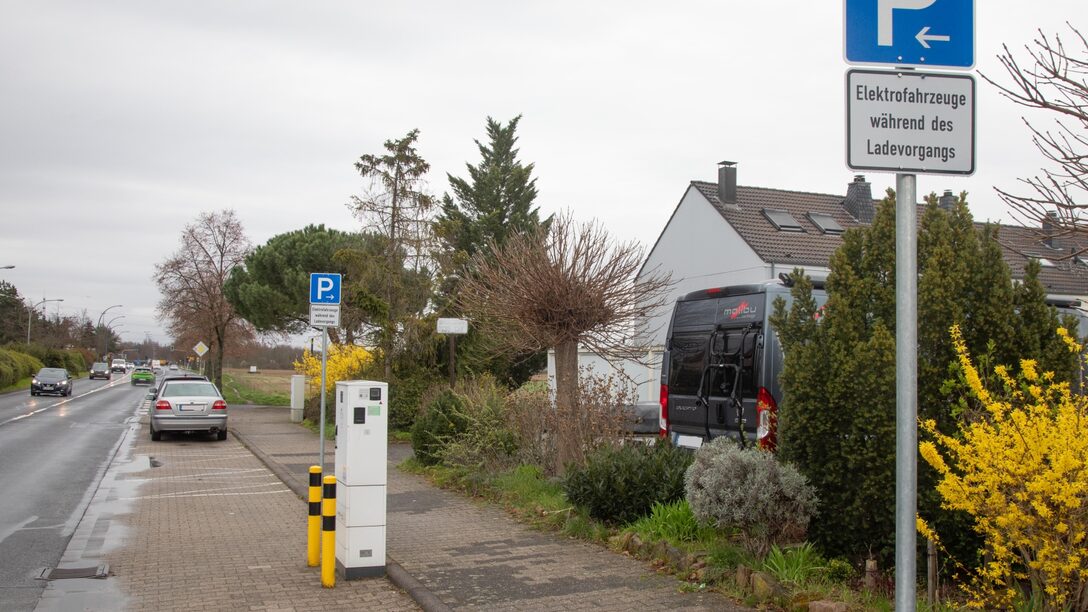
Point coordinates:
pixel 724 361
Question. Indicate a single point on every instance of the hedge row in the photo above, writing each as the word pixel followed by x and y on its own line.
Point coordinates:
pixel 15 366
pixel 72 360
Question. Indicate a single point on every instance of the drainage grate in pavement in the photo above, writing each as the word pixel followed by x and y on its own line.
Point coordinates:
pixel 62 573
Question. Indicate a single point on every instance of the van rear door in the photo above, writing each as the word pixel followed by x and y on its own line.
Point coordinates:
pixel 714 357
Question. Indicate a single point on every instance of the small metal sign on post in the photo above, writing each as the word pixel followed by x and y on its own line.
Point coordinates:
pixel 200 349
pixel 453 328
pixel 324 313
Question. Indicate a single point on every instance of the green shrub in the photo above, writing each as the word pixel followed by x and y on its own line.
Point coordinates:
pixel 406 392
pixel 485 442
pixel 797 566
pixel 674 522
pixel 440 422
pixel 15 366
pixel 840 571
pixel 621 484
pixel 767 502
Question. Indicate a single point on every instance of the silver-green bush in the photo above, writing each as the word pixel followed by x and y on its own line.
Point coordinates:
pixel 768 503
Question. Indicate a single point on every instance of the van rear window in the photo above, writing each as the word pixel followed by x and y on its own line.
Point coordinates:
pixel 695 313
pixel 686 359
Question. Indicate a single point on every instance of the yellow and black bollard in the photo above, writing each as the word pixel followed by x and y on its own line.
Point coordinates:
pixel 313 521
pixel 328 534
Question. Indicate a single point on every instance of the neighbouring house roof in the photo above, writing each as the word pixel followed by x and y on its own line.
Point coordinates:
pixel 757 217
pixel 810 246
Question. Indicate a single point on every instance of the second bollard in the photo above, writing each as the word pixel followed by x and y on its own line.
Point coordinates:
pixel 328 534
pixel 313 521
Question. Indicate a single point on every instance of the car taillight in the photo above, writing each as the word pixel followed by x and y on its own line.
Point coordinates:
pixel 663 418
pixel 162 405
pixel 767 413
pixel 219 405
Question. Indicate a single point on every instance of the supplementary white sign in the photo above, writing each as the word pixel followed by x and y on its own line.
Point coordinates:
pixel 325 315
pixel 452 326
pixel 200 349
pixel 910 122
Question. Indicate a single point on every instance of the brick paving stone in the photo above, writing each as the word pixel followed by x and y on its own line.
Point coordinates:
pixel 474 556
pixel 200 524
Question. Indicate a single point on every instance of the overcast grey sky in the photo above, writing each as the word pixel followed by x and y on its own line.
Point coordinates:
pixel 121 121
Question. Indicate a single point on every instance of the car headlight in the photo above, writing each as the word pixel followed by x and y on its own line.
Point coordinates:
pixel 34 380
pixel 63 382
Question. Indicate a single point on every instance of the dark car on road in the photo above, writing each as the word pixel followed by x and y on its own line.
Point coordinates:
pixel 51 380
pixel 100 369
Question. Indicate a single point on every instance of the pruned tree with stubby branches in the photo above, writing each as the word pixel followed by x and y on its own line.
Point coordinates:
pixel 559 288
pixel 1055 79
pixel 191 282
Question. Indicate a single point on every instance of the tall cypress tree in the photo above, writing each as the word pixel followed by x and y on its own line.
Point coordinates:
pixel 839 406
pixel 495 201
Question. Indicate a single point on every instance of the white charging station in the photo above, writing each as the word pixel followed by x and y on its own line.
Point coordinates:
pixel 362 434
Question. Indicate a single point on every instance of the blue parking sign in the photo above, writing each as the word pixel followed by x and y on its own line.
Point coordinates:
pixel 933 33
pixel 324 288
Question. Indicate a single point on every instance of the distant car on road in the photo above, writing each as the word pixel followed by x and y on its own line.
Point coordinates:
pixel 173 366
pixel 143 375
pixel 187 404
pixel 118 365
pixel 100 369
pixel 51 380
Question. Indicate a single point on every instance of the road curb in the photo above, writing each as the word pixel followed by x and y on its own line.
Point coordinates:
pixel 415 589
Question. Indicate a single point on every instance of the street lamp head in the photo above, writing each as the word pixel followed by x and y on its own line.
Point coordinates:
pixel 6 267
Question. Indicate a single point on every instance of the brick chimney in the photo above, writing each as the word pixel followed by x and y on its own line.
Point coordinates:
pixel 947 201
pixel 727 183
pixel 859 200
pixel 1051 227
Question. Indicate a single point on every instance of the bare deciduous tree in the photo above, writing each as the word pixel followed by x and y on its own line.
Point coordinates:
pixel 1057 81
pixel 191 283
pixel 562 288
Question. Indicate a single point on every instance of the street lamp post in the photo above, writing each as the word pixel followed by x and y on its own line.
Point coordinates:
pixel 30 314
pixel 98 330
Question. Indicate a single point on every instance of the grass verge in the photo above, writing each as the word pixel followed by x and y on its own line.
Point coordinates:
pixel 237 390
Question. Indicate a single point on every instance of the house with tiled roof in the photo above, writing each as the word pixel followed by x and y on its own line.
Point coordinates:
pixel 724 234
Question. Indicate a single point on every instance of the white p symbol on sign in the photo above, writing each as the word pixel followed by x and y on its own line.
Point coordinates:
pixel 884 17
pixel 324 285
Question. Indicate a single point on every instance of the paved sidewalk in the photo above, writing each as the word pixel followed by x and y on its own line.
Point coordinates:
pixel 191 523
pixel 474 556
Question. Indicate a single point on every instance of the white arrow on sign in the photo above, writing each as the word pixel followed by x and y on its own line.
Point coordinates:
pixel 924 37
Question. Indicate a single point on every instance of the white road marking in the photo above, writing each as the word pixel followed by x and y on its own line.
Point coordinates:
pixel 60 403
pixel 193 494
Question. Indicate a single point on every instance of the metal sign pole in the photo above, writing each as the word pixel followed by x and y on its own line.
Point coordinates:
pixel 321 427
pixel 906 391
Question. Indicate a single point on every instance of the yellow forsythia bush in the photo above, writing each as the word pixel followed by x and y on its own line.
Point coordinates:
pixel 345 362
pixel 1021 470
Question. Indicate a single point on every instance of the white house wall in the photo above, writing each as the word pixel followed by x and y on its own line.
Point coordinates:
pixel 701 250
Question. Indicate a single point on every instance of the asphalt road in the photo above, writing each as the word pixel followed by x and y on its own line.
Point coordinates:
pixel 53 452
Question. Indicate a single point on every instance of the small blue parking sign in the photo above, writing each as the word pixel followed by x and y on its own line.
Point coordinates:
pixel 933 33
pixel 324 288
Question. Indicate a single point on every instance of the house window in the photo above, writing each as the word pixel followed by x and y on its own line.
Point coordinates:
pixel 1045 263
pixel 782 220
pixel 826 223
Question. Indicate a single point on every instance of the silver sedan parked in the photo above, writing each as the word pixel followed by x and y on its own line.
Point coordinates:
pixel 187 405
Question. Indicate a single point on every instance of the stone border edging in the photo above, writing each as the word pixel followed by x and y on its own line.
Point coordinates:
pixel 427 600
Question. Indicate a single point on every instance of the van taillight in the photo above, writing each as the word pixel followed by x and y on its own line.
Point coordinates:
pixel 162 405
pixel 767 414
pixel 663 418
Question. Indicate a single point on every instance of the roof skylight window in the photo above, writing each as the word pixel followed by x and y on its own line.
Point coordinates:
pixel 782 220
pixel 826 223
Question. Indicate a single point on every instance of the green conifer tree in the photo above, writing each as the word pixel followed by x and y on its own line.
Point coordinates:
pixel 495 201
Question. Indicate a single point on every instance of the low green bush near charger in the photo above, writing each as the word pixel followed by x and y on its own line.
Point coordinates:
pixel 621 484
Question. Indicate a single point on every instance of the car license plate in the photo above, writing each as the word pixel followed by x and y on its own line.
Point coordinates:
pixel 192 407
pixel 47 387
